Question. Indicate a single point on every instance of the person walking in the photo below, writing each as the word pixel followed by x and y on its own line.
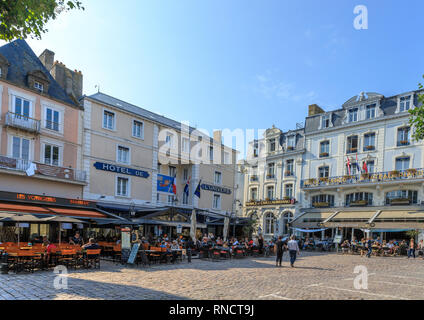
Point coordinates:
pixel 369 247
pixel 293 250
pixel 411 249
pixel 279 249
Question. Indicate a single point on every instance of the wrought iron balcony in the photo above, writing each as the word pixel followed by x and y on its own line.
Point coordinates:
pixel 23 165
pixel 22 122
pixel 377 177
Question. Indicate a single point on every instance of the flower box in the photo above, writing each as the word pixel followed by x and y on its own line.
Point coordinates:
pixel 288 173
pixel 286 198
pixel 411 171
pixel 323 179
pixel 347 177
pixel 400 201
pixel 323 154
pixel 369 147
pixel 270 176
pixel 404 142
pixel 365 176
pixel 290 148
pixel 320 204
pixel 352 150
pixel 254 178
pixel 359 203
pixel 394 173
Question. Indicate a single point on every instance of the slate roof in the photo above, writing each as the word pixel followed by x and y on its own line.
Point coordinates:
pixel 388 106
pixel 23 60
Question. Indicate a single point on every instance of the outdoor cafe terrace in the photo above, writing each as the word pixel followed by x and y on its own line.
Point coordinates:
pixel 416 175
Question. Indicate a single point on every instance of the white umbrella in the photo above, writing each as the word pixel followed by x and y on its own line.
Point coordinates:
pixel 193 225
pixel 226 226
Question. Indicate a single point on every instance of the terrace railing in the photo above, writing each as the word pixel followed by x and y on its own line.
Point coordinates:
pixel 408 174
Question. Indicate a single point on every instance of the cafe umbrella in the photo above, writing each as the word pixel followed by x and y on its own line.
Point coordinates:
pixel 19 218
pixel 226 226
pixel 61 220
pixel 193 225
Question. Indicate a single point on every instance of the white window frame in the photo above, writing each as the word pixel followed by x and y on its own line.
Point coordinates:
pixel 185 141
pixel 368 109
pixel 292 190
pixel 38 86
pixel 141 131
pixel 30 151
pixel 227 158
pixel 114 119
pixel 22 95
pixel 217 174
pixel 411 102
pixel 60 110
pixel 169 143
pixel 45 143
pixel 267 193
pixel 350 111
pixel 293 139
pixel 128 187
pixel 250 194
pixel 324 118
pixel 117 154
pixel 216 196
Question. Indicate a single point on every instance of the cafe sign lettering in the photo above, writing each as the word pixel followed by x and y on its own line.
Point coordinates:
pixel 215 188
pixel 270 202
pixel 122 170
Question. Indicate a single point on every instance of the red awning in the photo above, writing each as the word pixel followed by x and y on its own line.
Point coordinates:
pixel 38 209
pixel 23 208
pixel 78 213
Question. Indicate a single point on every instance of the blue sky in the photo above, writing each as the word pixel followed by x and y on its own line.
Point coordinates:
pixel 240 63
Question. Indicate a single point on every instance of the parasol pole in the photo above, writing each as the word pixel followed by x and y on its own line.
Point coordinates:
pixel 60 233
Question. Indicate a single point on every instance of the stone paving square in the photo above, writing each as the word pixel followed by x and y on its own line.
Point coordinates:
pixel 322 276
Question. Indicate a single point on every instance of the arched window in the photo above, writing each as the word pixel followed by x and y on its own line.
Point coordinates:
pixel 269 223
pixel 287 217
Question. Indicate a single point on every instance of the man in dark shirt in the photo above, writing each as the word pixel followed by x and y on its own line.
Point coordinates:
pixel 77 239
pixel 279 249
pixel 369 245
pixel 91 245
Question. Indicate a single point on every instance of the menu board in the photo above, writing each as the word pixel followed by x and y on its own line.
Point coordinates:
pixel 133 253
pixel 125 244
pixel 337 239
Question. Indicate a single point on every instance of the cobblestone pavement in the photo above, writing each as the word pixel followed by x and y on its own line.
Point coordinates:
pixel 316 276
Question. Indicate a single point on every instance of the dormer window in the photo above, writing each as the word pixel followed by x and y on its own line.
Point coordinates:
pixel 291 142
pixel 353 115
pixel 405 103
pixel 370 111
pixel 37 80
pixel 38 86
pixel 325 121
pixel 271 145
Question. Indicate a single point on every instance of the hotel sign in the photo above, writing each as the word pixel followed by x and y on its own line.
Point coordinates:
pixel 270 202
pixel 123 170
pixel 215 188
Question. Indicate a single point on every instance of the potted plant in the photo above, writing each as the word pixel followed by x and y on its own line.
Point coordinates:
pixel 394 173
pixel 347 177
pixel 323 154
pixel 286 198
pixel 359 203
pixel 288 173
pixel 411 171
pixel 369 147
pixel 365 176
pixel 323 179
pixel 321 204
pixel 404 142
pixel 269 176
pixel 400 201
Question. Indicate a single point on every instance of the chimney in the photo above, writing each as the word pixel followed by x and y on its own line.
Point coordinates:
pixel 70 81
pixel 217 136
pixel 314 109
pixel 47 58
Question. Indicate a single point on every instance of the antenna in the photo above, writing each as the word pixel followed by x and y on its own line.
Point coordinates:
pixel 299 125
pixel 98 88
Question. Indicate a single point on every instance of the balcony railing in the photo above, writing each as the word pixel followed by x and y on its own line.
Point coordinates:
pixel 22 122
pixel 408 174
pixel 43 169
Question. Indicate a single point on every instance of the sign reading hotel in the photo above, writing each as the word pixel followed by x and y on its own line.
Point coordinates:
pixel 270 202
pixel 123 170
pixel 209 187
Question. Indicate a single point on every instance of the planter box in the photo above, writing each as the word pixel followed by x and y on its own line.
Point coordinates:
pixel 369 148
pixel 359 203
pixel 400 201
pixel 320 204
pixel 324 154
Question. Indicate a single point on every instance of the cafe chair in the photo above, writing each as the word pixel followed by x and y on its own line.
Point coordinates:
pixel 93 258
